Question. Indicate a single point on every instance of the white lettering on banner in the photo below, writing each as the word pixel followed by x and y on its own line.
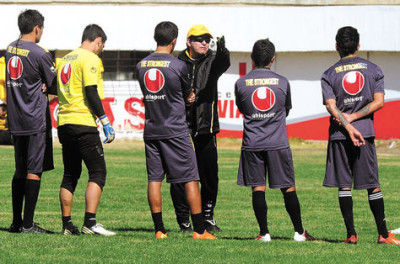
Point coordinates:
pixel 128 120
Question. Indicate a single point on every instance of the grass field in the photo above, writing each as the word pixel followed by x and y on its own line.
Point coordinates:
pixel 124 209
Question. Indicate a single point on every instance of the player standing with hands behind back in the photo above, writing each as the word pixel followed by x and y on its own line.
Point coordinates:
pixel 30 69
pixel 353 89
pixel 263 97
pixel 79 89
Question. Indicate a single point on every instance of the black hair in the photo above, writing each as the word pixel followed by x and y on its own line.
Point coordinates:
pixel 4 107
pixel 28 20
pixel 347 40
pixel 263 52
pixel 165 32
pixel 92 32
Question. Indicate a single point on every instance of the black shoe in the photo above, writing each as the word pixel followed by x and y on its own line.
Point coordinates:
pixel 211 226
pixel 15 228
pixel 35 229
pixel 186 227
pixel 71 230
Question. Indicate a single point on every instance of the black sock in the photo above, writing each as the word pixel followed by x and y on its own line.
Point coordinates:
pixel 378 209
pixel 67 221
pixel 260 210
pixel 346 207
pixel 18 191
pixel 32 188
pixel 90 219
pixel 158 222
pixel 198 223
pixel 292 205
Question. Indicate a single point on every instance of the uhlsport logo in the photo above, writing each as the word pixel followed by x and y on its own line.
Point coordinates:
pixel 353 82
pixel 154 80
pixel 65 74
pixel 263 99
pixel 15 67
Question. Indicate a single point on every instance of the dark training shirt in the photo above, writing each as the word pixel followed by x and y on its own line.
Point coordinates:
pixel 352 82
pixel 263 97
pixel 28 68
pixel 164 81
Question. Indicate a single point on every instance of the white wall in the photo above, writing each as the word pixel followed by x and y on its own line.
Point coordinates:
pixel 291 28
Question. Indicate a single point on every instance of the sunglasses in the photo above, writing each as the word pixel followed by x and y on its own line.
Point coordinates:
pixel 200 39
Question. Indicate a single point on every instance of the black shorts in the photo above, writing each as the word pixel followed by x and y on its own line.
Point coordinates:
pixel 173 157
pixel 346 163
pixel 254 165
pixel 32 154
pixel 82 143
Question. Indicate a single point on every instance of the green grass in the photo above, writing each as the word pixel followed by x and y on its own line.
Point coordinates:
pixel 124 209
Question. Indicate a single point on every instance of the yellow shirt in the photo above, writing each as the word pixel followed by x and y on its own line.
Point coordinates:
pixel 2 79
pixel 75 71
pixel 3 123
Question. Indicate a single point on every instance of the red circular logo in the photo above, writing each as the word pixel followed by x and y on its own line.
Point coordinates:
pixel 353 82
pixel 65 74
pixel 154 80
pixel 15 67
pixel 263 99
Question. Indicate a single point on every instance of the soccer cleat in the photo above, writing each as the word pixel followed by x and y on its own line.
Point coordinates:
pixel 303 237
pixel 351 240
pixel 161 235
pixel 186 227
pixel 395 231
pixel 264 238
pixel 15 228
pixel 97 229
pixel 389 240
pixel 71 230
pixel 35 229
pixel 205 235
pixel 211 226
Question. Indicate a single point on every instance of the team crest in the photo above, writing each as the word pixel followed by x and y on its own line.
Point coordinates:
pixel 263 99
pixel 353 82
pixel 65 74
pixel 15 67
pixel 154 80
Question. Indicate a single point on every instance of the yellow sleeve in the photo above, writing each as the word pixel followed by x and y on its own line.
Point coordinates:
pixel 90 71
pixel 100 85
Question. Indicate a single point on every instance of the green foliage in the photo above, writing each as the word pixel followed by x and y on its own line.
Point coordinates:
pixel 124 209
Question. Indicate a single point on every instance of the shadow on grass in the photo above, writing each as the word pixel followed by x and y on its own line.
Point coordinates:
pixel 129 229
pixel 7 229
pixel 281 238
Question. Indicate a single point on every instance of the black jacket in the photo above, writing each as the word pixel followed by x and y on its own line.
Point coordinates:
pixel 202 115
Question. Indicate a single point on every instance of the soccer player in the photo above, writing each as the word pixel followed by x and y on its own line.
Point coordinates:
pixel 263 97
pixel 30 69
pixel 79 89
pixel 205 68
pixel 352 91
pixel 164 83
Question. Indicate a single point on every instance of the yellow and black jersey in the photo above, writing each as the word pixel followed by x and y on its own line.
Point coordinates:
pixel 77 70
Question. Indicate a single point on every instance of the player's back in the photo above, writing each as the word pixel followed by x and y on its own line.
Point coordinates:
pixel 78 69
pixel 263 96
pixel 164 83
pixel 28 67
pixel 352 82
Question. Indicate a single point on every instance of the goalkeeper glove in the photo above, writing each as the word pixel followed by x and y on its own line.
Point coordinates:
pixel 108 129
pixel 221 43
